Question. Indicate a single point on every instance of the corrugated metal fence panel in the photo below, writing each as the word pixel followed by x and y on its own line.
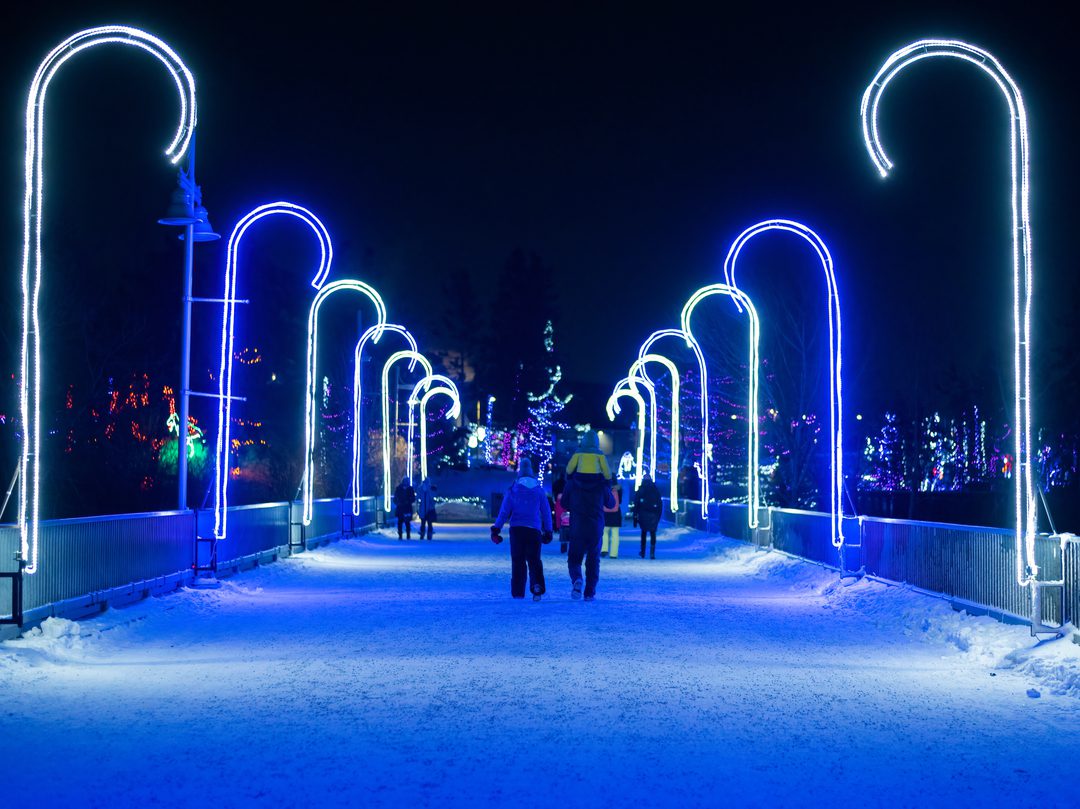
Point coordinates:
pixel 732 521
pixel 369 513
pixel 804 533
pixel 325 519
pixel 974 563
pixel 250 530
pixel 1071 565
pixel 81 556
pixel 9 546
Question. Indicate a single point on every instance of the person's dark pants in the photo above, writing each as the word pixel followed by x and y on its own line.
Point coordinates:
pixel 405 521
pixel 652 532
pixel 587 547
pixel 427 522
pixel 525 555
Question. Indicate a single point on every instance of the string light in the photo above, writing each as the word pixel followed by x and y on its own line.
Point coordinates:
pixel 397 356
pixel 1023 265
pixel 365 338
pixel 228 327
pixel 351 285
pixel 33 256
pixel 637 368
pixel 742 301
pixel 836 399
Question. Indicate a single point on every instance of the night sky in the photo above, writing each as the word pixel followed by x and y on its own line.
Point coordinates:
pixel 627 149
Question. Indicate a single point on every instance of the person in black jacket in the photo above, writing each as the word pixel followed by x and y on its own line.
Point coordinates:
pixel 647 510
pixel 585 497
pixel 404 497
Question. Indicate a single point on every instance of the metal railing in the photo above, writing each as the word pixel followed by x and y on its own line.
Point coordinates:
pixel 969 564
pixel 85 564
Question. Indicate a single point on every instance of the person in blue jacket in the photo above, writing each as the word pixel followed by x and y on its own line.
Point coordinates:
pixel 525 507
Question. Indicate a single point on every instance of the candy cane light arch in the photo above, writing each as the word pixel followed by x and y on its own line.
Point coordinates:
pixel 413 357
pixel 1022 261
pixel 228 328
pixel 33 261
pixel 742 302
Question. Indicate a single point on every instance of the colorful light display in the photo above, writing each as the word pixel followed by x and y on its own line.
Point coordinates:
pixel 228 328
pixel 742 301
pixel 365 338
pixel 1023 265
pixel 33 261
pixel 397 356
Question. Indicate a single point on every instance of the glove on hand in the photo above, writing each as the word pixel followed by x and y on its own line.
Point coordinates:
pixel 547 537
pixel 495 535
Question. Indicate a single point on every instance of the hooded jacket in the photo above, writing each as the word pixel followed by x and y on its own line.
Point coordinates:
pixel 648 506
pixel 525 506
pixel 425 498
pixel 585 497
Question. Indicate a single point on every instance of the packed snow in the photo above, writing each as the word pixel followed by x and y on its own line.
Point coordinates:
pixel 374 672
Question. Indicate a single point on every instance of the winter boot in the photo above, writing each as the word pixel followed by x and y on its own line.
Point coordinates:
pixel 537 592
pixel 576 592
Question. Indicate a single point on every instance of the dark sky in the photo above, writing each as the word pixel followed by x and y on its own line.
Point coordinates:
pixel 627 148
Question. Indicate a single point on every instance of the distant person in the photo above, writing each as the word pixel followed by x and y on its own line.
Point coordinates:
pixel 425 507
pixel 647 510
pixel 404 497
pixel 587 492
pixel 612 523
pixel 525 507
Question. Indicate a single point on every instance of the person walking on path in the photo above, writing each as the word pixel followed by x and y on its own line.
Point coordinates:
pixel 587 492
pixel 526 508
pixel 647 510
pixel 612 524
pixel 404 497
pixel 425 507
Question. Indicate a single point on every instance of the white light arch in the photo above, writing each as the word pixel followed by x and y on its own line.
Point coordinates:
pixel 365 338
pixel 638 368
pixel 741 301
pixel 228 326
pixel 397 356
pixel 836 398
pixel 446 386
pixel 33 255
pixel 1023 264
pixel 347 285
pixel 623 389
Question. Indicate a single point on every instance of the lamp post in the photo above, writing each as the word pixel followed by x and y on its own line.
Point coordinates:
pixel 186 210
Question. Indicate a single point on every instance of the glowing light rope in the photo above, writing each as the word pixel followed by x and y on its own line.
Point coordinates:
pixel 753 474
pixel 228 326
pixel 633 380
pixel 445 386
pixel 836 398
pixel 673 475
pixel 33 255
pixel 397 356
pixel 613 408
pixel 350 285
pixel 1023 265
pixel 357 399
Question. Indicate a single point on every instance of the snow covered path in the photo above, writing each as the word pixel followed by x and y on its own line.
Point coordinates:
pixel 382 673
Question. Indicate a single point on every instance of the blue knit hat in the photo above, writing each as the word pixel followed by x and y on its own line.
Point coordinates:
pixel 590 441
pixel 525 469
